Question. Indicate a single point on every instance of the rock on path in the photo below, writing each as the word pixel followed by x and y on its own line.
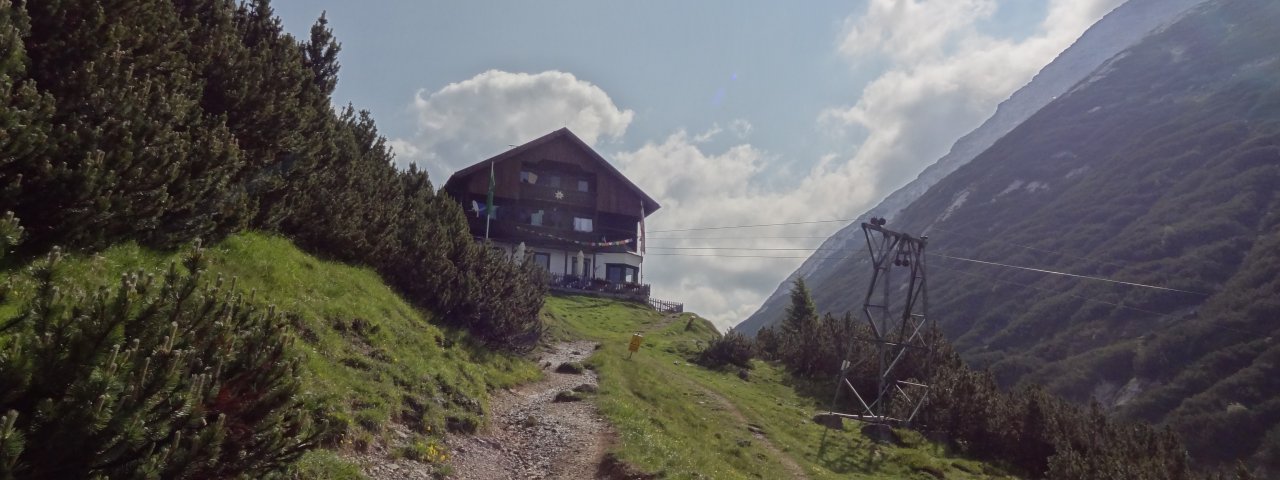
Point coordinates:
pixel 530 436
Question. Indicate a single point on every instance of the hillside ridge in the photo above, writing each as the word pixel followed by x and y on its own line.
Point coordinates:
pixel 1116 31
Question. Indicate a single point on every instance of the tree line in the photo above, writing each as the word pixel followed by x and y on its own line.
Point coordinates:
pixel 1027 429
pixel 168 123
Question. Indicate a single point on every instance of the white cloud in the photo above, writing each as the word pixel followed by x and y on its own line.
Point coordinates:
pixel 944 77
pixel 699 189
pixel 910 30
pixel 474 119
pixel 706 136
pixel 741 128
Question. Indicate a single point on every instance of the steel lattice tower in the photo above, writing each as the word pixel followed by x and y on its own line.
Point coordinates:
pixel 898 324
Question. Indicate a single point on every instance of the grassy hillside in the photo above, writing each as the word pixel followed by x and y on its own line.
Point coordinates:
pixel 679 420
pixel 370 358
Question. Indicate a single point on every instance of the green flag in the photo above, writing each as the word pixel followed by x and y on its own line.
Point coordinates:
pixel 488 205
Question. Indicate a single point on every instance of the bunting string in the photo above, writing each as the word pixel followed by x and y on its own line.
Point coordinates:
pixel 576 242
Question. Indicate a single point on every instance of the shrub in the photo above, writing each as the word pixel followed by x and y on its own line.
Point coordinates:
pixel 732 348
pixel 157 379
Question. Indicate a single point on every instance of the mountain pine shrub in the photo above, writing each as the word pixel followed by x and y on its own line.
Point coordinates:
pixel 733 348
pixel 171 377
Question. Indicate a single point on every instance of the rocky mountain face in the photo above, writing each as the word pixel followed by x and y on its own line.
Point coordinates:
pixel 1161 168
pixel 1118 30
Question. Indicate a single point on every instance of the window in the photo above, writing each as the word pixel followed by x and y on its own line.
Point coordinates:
pixel 528 177
pixel 543 260
pixel 586 268
pixel 620 273
pixel 582 224
pixel 553 181
pixel 584 186
pixel 535 218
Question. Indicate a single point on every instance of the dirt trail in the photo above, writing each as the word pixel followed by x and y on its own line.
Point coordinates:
pixel 532 436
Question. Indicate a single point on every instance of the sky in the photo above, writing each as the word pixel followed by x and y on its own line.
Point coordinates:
pixel 726 112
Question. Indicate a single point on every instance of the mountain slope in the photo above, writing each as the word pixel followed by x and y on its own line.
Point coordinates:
pixel 1117 31
pixel 1161 168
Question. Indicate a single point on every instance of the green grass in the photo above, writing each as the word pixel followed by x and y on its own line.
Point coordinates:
pixel 671 421
pixel 370 357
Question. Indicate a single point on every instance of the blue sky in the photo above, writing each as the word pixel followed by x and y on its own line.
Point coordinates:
pixel 729 113
pixel 677 64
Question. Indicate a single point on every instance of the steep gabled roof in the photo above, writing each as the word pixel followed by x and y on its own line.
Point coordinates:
pixel 563 133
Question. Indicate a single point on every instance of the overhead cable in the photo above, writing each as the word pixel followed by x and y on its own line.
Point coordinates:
pixel 1052 272
pixel 727 227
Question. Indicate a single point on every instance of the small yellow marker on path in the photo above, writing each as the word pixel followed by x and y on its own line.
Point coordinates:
pixel 636 338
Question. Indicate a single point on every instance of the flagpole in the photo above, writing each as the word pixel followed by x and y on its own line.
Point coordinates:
pixel 488 212
pixel 640 242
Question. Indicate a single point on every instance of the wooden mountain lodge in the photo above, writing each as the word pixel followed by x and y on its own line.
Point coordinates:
pixel 564 207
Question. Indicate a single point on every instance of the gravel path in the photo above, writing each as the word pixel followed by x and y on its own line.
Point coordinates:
pixel 531 436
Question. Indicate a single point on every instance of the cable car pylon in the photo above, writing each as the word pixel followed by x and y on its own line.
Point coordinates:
pixel 900 331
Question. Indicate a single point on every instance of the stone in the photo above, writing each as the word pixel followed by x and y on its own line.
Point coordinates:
pixel 881 433
pixel 834 422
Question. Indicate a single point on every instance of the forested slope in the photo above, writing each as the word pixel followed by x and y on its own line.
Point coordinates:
pixel 1162 168
pixel 168 122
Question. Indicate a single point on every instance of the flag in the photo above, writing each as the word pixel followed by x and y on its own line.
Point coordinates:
pixel 488 204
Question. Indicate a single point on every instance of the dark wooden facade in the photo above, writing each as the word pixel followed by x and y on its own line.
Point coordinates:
pixel 546 191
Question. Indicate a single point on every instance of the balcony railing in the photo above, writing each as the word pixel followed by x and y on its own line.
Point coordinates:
pixel 665 306
pixel 582 284
pixel 502 229
pixel 604 288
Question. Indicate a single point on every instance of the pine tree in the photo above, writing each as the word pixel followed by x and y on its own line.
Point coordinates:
pixel 154 378
pixel 24 112
pixel 320 54
pixel 802 313
pixel 132 155
pixel 767 343
pixel 801 345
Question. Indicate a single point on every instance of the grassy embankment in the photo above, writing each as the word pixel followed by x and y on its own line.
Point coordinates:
pixel 680 420
pixel 370 357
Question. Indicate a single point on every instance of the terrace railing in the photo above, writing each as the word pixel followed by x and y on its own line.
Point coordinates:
pixel 574 283
pixel 665 306
pixel 594 286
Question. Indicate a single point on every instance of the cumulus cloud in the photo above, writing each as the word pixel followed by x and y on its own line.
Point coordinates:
pixel 910 30
pixel 474 119
pixel 708 269
pixel 944 77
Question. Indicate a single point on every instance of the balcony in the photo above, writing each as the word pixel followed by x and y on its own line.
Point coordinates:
pixel 506 230
pixel 579 284
pixel 597 287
